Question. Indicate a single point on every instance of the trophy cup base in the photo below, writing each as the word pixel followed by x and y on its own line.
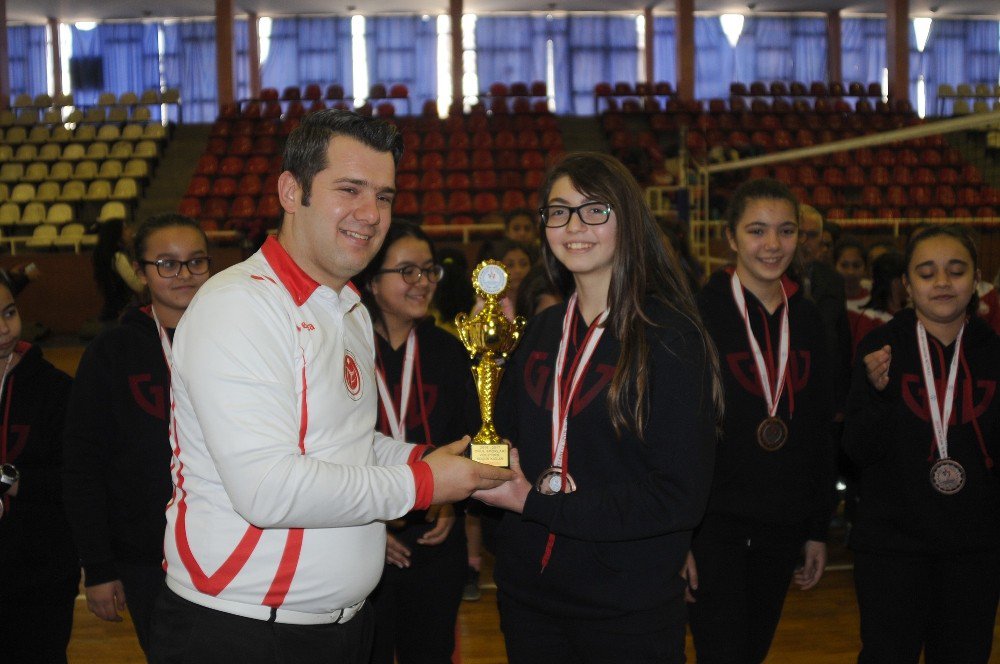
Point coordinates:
pixel 491 454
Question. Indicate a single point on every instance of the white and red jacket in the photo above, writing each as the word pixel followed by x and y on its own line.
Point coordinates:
pixel 281 481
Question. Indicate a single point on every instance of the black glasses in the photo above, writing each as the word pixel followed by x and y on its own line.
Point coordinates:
pixel 411 273
pixel 168 268
pixel 592 214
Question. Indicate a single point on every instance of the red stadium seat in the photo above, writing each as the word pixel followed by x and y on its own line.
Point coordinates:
pixel 484 202
pixel 243 207
pixel 199 187
pixel 408 181
pixel 257 164
pixel 223 187
pixel 484 180
pixel 190 207
pixel 455 181
pixel 405 204
pixel 231 166
pixel 431 181
pixel 208 164
pixel 459 202
pixel 215 208
pixel 513 199
pixel 456 160
pixel 334 91
pixel 433 203
pixel 250 185
pixel 431 161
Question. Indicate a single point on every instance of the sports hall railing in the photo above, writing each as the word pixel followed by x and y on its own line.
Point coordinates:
pixel 706 232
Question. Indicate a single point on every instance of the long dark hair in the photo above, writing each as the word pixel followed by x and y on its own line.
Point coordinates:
pixel 397 231
pixel 955 232
pixel 113 289
pixel 643 268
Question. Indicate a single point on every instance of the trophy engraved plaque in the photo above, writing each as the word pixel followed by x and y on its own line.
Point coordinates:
pixel 489 336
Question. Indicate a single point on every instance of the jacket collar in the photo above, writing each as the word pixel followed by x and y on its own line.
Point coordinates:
pixel 299 284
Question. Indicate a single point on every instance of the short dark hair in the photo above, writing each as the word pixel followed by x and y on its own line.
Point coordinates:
pixel 159 221
pixel 305 150
pixel 753 190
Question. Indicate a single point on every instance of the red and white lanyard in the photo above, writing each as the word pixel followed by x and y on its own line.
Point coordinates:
pixel 561 403
pixel 772 395
pixel 940 412
pixel 397 419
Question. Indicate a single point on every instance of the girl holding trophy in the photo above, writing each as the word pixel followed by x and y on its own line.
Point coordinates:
pixel 610 400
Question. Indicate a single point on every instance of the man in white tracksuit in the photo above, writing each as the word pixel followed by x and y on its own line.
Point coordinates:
pixel 274 532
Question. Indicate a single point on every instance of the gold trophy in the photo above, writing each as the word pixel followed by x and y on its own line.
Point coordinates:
pixel 489 336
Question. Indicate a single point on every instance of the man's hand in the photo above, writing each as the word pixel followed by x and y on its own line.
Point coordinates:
pixel 456 477
pixel 106 600
pixel 510 495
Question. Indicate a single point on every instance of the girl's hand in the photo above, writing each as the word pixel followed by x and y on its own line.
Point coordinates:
pixel 396 553
pixel 690 574
pixel 511 494
pixel 877 367
pixel 443 518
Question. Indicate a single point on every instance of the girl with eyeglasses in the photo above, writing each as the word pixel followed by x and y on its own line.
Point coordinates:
pixel 610 400
pixel 424 383
pixel 117 427
pixel 773 490
pixel 923 424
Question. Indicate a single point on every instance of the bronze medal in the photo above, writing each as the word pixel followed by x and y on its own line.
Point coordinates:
pixel 550 482
pixel 947 476
pixel 772 434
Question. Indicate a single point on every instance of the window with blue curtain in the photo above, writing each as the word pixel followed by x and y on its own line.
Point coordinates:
pixel 600 48
pixel 510 49
pixel 129 55
pixel 665 49
pixel 959 51
pixel 863 49
pixel 26 48
pixel 308 50
pixel 241 44
pixel 403 49
pixel 715 63
pixel 189 65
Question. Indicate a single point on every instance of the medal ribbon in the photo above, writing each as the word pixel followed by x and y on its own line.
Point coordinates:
pixel 940 413
pixel 561 403
pixel 772 398
pixel 397 422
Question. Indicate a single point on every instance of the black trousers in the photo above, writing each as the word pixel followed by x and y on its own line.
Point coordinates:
pixel 743 577
pixel 945 605
pixel 416 610
pixel 142 583
pixel 36 621
pixel 532 637
pixel 186 633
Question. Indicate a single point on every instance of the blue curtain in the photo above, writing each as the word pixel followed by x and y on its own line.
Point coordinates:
pixel 782 49
pixel 26 46
pixel 189 64
pixel 599 49
pixel 403 49
pixel 241 44
pixel 665 49
pixel 715 64
pixel 308 50
pixel 863 47
pixel 959 51
pixel 510 49
pixel 130 56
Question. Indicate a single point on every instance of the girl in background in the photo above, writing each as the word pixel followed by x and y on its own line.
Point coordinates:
pixel 888 296
pixel 116 279
pixel 610 400
pixel 39 573
pixel 923 423
pixel 118 421
pixel 773 490
pixel 851 263
pixel 424 383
